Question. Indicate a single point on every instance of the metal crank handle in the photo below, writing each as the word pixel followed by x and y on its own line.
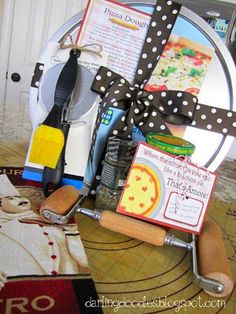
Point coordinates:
pixel 61 205
pixel 157 236
pixel 210 285
pixel 210 253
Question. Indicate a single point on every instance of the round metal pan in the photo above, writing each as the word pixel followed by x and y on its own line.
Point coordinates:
pixel 83 98
pixel 218 89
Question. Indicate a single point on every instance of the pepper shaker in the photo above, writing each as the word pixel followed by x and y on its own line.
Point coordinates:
pixel 118 158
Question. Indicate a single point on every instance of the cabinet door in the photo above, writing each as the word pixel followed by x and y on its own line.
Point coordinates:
pixel 34 22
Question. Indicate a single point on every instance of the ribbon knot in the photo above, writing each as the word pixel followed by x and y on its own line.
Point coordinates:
pixel 146 110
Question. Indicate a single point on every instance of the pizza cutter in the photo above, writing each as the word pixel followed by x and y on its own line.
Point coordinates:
pixel 217 280
pixel 81 102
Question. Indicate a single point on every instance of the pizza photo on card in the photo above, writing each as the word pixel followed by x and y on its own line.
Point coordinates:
pixel 183 66
pixel 166 190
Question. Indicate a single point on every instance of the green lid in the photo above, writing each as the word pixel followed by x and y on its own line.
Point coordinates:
pixel 170 144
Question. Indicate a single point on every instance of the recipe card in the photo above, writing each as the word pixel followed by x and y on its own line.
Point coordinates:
pixel 120 30
pixel 166 190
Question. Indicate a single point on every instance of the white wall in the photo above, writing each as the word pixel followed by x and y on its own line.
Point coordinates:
pixel 1 15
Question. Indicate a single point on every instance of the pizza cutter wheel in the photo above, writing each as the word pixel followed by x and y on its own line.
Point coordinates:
pixel 216 279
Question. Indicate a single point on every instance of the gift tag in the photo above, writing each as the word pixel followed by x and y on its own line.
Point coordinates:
pixel 167 190
pixel 183 209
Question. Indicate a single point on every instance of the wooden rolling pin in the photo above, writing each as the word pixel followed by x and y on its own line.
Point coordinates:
pixel 211 251
pixel 63 199
pixel 212 257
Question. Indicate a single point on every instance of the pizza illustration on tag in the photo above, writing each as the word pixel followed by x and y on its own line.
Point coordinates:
pixel 166 190
pixel 144 190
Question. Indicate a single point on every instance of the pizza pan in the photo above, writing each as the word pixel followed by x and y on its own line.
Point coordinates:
pixel 218 90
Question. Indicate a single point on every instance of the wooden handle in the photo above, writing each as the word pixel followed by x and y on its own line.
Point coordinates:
pixel 133 228
pixel 61 200
pixel 65 197
pixel 213 261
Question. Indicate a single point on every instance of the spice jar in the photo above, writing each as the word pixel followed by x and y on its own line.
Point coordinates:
pixel 118 158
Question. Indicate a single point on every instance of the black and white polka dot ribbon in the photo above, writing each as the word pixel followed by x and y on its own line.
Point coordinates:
pixel 149 111
pixel 118 92
pixel 163 19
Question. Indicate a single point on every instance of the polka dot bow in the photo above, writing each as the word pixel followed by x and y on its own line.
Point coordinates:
pixel 149 111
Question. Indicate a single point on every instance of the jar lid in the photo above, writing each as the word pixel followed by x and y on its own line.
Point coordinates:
pixel 170 144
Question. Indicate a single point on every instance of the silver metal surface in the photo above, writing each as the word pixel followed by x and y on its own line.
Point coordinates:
pixel 82 99
pixel 56 218
pixel 92 213
pixel 63 219
pixel 75 209
pixel 171 240
pixel 219 88
pixel 205 283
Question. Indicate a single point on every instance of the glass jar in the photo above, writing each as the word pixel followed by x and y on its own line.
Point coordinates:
pixel 118 158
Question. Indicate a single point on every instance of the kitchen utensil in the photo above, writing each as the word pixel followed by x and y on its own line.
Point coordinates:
pixel 49 137
pixel 217 280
